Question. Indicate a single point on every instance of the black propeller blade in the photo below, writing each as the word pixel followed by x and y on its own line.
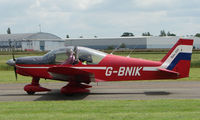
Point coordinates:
pixel 13 56
pixel 15 70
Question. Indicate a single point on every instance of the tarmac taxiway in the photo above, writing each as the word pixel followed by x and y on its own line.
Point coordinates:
pixel 139 90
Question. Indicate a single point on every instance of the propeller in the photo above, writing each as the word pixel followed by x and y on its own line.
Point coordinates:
pixel 13 56
pixel 15 70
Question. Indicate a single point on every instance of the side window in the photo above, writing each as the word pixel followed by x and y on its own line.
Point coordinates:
pixel 58 56
pixel 96 59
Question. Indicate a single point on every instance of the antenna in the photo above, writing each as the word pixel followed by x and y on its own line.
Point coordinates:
pixel 115 49
pixel 131 51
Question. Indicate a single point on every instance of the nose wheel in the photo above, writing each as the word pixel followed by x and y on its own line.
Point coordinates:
pixel 34 87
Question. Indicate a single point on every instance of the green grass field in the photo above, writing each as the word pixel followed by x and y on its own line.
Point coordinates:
pixel 102 110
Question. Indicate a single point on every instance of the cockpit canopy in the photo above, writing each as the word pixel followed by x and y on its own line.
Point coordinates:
pixel 82 54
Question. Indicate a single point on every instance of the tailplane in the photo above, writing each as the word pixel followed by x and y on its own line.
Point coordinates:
pixel 178 59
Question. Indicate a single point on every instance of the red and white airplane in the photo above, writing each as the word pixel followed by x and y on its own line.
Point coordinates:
pixel 85 65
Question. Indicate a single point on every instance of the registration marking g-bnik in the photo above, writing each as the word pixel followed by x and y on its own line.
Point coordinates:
pixel 123 71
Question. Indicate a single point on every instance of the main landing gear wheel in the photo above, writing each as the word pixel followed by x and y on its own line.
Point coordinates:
pixel 30 92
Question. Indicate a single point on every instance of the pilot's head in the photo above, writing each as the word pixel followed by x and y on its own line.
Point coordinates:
pixel 69 52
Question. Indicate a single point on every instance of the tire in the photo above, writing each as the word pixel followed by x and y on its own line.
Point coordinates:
pixel 30 92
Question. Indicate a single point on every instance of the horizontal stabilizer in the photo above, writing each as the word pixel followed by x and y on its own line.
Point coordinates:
pixel 168 73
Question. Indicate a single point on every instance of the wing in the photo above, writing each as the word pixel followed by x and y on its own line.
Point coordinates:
pixel 67 73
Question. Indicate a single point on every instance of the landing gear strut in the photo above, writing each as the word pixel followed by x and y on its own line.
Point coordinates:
pixel 34 87
pixel 75 87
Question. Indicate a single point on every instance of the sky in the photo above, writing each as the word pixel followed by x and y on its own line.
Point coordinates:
pixel 102 18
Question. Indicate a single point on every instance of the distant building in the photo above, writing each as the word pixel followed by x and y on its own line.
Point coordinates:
pixel 104 43
pixel 169 41
pixel 146 42
pixel 46 41
pixel 30 41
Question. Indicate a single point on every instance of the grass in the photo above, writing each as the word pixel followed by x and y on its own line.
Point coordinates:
pixel 9 77
pixel 194 74
pixel 102 110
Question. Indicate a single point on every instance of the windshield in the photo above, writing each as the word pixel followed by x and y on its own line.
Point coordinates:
pixel 67 55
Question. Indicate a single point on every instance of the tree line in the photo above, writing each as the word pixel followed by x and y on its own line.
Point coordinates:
pixel 130 34
pixel 162 34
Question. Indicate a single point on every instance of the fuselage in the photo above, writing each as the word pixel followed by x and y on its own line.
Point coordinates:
pixel 110 68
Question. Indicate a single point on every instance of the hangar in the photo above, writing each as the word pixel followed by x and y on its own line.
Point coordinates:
pixel 104 43
pixel 150 42
pixel 40 41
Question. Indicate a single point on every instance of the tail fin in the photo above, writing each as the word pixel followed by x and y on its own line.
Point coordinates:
pixel 179 57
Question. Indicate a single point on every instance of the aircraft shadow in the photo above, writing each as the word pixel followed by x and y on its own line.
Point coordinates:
pixel 157 93
pixel 56 95
pixel 48 96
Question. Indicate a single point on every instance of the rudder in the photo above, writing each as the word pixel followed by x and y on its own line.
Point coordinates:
pixel 179 57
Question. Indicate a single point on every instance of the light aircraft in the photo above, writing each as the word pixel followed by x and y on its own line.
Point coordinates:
pixel 80 65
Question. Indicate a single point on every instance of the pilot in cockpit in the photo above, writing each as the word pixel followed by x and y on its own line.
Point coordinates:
pixel 70 57
pixel 85 59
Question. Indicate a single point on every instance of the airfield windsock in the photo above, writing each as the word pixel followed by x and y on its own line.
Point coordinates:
pixel 178 59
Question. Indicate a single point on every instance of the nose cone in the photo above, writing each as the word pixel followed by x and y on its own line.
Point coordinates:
pixel 11 62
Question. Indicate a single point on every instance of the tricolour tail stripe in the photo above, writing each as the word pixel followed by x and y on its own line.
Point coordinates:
pixel 185 44
pixel 180 56
pixel 181 52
